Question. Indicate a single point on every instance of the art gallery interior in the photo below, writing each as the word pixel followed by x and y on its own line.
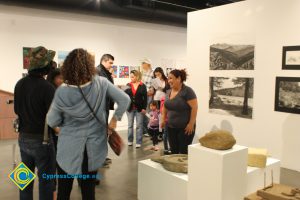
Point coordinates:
pixel 242 60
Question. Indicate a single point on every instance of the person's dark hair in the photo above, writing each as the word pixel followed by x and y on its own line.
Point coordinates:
pixel 41 71
pixel 180 73
pixel 52 75
pixel 78 68
pixel 160 70
pixel 106 57
pixel 53 65
pixel 154 103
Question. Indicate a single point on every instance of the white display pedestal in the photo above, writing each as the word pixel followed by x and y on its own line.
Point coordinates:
pixel 154 182
pixel 255 176
pixel 217 175
pixel 212 175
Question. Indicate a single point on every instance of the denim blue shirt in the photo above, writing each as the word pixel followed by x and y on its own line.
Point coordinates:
pixel 78 127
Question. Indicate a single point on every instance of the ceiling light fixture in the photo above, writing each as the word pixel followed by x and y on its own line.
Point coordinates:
pixel 172 4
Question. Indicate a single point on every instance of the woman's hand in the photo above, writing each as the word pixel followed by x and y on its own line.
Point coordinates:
pixel 189 129
pixel 56 130
pixel 144 111
pixel 113 123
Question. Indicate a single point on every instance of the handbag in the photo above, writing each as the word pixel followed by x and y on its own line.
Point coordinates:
pixel 115 141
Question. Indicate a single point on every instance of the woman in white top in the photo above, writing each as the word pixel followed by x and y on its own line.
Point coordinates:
pixel 160 84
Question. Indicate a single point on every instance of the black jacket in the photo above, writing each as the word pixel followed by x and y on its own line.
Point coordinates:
pixel 140 98
pixel 33 96
pixel 102 71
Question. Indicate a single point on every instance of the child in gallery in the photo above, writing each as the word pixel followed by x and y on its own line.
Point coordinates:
pixel 153 125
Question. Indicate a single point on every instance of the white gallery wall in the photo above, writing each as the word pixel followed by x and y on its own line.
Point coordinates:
pixel 128 41
pixel 269 25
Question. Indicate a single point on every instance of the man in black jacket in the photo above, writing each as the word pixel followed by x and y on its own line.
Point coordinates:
pixel 104 70
pixel 33 96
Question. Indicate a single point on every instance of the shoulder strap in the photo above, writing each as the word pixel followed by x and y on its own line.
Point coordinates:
pixel 90 107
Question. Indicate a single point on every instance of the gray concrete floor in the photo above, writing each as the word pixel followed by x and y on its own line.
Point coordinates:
pixel 119 180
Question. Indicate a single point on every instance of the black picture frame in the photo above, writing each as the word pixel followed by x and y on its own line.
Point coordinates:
pixel 285 51
pixel 284 106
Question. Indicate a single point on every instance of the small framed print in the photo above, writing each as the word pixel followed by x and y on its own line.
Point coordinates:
pixel 291 57
pixel 287 94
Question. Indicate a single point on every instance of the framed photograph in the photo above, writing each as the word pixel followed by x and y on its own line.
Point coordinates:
pixel 287 94
pixel 115 71
pixel 291 57
pixel 26 55
pixel 62 55
pixel 123 71
pixel 231 96
pixel 224 56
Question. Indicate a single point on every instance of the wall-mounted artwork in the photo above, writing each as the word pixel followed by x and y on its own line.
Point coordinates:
pixel 168 70
pixel 291 57
pixel 231 96
pixel 287 95
pixel 61 55
pixel 114 71
pixel 123 72
pixel 26 54
pixel 225 56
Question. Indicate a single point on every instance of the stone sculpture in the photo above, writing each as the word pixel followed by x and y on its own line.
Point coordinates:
pixel 276 192
pixel 218 139
pixel 175 163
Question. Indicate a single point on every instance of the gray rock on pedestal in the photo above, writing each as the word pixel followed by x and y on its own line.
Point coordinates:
pixel 218 139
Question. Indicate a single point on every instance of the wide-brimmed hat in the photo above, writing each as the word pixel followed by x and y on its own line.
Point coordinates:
pixel 146 60
pixel 40 57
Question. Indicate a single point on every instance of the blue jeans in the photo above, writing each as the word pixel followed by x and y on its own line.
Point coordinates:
pixel 139 126
pixel 166 137
pixel 35 154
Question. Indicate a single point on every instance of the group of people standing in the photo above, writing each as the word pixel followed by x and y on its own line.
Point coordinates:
pixel 75 102
pixel 161 104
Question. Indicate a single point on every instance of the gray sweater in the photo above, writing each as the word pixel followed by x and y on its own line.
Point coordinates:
pixel 78 127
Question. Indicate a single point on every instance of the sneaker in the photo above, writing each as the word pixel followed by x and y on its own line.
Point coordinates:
pixel 166 152
pixel 146 135
pixel 130 143
pixel 138 145
pixel 108 161
pixel 105 165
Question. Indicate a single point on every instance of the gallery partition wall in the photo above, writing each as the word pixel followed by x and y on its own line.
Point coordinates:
pixel 244 61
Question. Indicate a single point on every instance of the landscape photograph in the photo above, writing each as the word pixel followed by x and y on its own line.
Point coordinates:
pixel 225 56
pixel 287 96
pixel 231 96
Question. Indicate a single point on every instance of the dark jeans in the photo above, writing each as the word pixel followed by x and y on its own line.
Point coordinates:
pixel 87 185
pixel 154 134
pixel 179 141
pixel 165 138
pixel 35 154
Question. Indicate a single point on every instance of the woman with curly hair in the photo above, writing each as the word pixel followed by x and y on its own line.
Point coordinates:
pixel 82 141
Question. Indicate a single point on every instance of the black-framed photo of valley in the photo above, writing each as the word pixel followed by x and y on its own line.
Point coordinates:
pixel 287 94
pixel 224 56
pixel 291 57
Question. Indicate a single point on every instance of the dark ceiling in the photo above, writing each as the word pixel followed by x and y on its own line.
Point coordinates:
pixel 172 12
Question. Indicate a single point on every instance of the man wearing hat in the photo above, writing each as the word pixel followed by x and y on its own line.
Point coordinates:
pixel 33 96
pixel 147 76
